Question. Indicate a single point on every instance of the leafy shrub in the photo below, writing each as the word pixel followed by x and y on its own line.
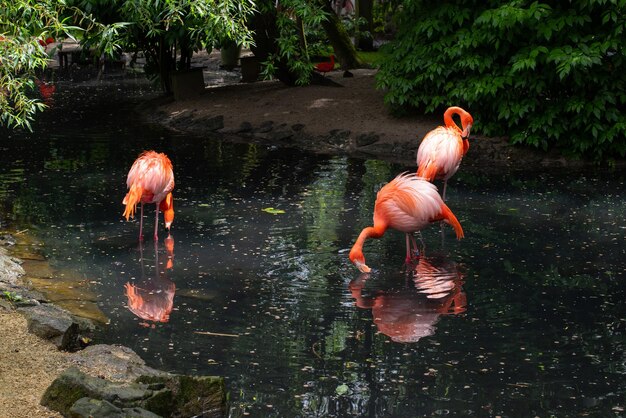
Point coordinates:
pixel 547 74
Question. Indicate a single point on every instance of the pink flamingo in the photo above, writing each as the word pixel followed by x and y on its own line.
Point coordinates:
pixel 150 180
pixel 408 204
pixel 440 153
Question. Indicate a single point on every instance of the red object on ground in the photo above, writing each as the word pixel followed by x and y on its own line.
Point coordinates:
pixel 325 67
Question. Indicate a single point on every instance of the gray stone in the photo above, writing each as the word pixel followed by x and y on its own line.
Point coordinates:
pixel 281 135
pixel 363 140
pixel 52 323
pixel 73 385
pixel 5 305
pixel 117 362
pixel 10 270
pixel 213 124
pixel 265 127
pixel 338 137
pixel 245 127
pixel 94 408
pixel 7 240
pixel 137 412
pixel 188 396
pixel 97 408
pixel 164 395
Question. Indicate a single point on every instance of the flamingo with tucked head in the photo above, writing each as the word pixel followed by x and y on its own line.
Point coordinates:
pixel 440 153
pixel 408 204
pixel 150 180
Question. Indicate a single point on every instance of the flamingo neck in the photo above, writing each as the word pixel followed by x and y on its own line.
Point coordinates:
pixel 447 117
pixel 356 253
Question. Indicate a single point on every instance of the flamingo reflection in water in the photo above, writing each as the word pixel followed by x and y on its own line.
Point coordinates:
pixel 409 314
pixel 152 299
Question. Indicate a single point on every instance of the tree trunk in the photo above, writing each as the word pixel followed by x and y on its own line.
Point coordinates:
pixel 263 24
pixel 365 42
pixel 339 39
pixel 164 63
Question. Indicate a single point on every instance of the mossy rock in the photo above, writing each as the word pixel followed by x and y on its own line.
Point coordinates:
pixel 73 385
pixel 185 396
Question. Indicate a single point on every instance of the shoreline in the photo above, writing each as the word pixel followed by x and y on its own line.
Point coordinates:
pixel 50 367
pixel 272 114
pixel 344 116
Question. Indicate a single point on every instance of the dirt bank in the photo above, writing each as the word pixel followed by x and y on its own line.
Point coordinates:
pixel 339 116
pixel 28 366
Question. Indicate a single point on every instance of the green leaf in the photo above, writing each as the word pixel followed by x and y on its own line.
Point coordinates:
pixel 273 211
pixel 342 389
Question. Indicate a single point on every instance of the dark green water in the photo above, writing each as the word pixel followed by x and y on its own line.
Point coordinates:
pixel 529 318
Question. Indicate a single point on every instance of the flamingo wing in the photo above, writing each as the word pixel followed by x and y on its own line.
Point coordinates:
pixel 152 172
pixel 408 203
pixel 440 154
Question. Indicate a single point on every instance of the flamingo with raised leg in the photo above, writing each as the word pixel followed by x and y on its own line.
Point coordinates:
pixel 408 204
pixel 150 180
pixel 442 149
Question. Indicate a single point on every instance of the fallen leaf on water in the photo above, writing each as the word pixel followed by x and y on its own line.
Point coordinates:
pixel 273 211
pixel 342 389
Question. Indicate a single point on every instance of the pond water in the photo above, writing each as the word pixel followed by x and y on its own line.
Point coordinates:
pixel 524 317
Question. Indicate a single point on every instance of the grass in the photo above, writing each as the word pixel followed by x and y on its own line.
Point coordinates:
pixel 372 58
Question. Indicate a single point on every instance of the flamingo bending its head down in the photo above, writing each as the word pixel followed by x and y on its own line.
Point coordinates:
pixel 150 180
pixel 408 204
pixel 440 153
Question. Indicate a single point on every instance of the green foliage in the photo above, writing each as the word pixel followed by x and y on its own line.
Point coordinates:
pixel 23 24
pixel 547 74
pixel 372 58
pixel 165 30
pixel 296 20
pixel 11 296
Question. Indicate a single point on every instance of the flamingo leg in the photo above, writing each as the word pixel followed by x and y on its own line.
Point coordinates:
pixel 408 258
pixel 156 224
pixel 141 223
pixel 412 252
pixel 416 251
pixel 445 185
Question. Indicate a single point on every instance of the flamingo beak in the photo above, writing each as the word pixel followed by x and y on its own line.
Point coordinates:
pixel 466 132
pixel 362 267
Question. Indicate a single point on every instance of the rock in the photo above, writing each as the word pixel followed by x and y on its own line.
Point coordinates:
pixel 115 362
pixel 7 240
pixel 265 127
pixel 10 270
pixel 52 323
pixel 245 127
pixel 96 408
pixel 188 396
pixel 337 137
pixel 164 395
pixel 5 305
pixel 213 124
pixel 281 135
pixel 363 140
pixel 73 385
pixel 297 127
